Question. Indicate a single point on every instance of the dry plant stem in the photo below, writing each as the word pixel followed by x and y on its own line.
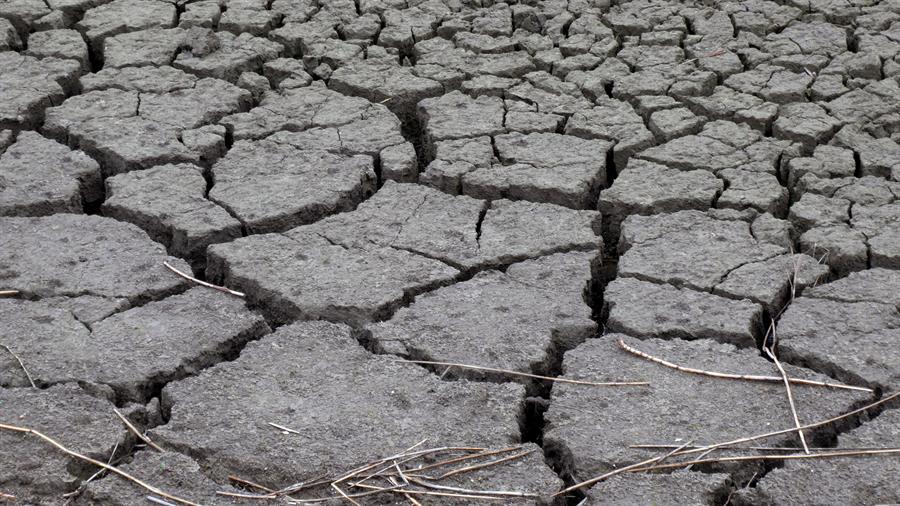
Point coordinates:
pixel 464 458
pixel 8 293
pixel 793 456
pixel 787 386
pixel 60 447
pixel 249 483
pixel 202 283
pixel 434 493
pixel 246 496
pixel 751 448
pixel 94 476
pixel 157 500
pixel 412 500
pixel 733 442
pixel 22 365
pixel 527 375
pixel 343 494
pixel 482 465
pixel 137 433
pixel 281 427
pixel 502 493
pixel 746 377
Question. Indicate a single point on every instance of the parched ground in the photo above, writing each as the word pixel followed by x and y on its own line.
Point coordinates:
pixel 579 189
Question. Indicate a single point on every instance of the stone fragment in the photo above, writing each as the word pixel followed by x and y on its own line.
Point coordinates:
pixel 667 124
pixel 454 116
pixel 40 177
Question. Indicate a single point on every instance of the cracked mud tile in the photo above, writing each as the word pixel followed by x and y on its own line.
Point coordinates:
pixel 30 468
pixel 120 16
pixel 171 472
pixel 168 203
pixel 848 328
pixel 521 319
pixel 648 310
pixel 298 186
pixel 348 406
pixel 129 130
pixel 466 233
pixel 39 177
pixel 853 480
pixel 28 86
pixel 590 429
pixel 688 249
pixel 134 351
pixel 681 487
pixel 721 145
pixel 72 255
pixel 648 188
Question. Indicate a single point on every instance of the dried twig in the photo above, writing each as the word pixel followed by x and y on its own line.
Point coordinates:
pixel 456 460
pixel 283 428
pixel 246 496
pixel 157 500
pixel 22 365
pixel 791 456
pixel 750 448
pixel 527 375
pixel 501 493
pixel 733 442
pixel 745 377
pixel 202 283
pixel 769 348
pixel 92 477
pixel 8 293
pixel 60 447
pixel 482 465
pixel 137 433
pixel 248 483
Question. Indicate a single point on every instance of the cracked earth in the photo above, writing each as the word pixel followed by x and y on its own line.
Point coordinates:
pixel 530 187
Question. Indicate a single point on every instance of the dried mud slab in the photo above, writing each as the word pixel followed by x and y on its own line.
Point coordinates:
pixel 590 429
pixel 866 480
pixel 345 267
pixel 348 406
pixel 521 319
pixel 134 351
pixel 32 470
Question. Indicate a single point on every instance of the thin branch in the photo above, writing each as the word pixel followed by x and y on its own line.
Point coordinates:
pixel 792 456
pixel 248 483
pixel 434 493
pixel 745 377
pixel 527 375
pixel 157 500
pixel 59 446
pixel 246 496
pixel 137 433
pixel 751 448
pixel 500 493
pixel 770 351
pixel 8 293
pixel 285 429
pixel 202 283
pixel 464 458
pixel 482 465
pixel 733 442
pixel 22 365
